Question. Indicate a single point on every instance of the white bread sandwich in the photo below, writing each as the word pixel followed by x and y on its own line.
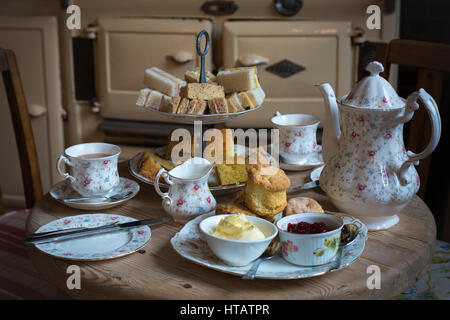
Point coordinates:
pixel 238 79
pixel 163 82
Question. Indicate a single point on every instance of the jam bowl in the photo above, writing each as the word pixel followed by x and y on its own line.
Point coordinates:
pixel 310 239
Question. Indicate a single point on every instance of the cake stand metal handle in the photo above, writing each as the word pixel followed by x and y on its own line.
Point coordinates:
pixel 202 54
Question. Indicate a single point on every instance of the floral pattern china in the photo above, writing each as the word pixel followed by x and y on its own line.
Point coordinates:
pixel 64 190
pixel 189 194
pixel 96 247
pixel 305 162
pixel 190 244
pixel 368 171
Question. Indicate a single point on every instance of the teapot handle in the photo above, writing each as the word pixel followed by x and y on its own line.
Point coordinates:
pixel 433 113
pixel 164 195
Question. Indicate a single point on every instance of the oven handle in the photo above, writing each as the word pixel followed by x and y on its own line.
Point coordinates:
pixel 181 56
pixel 252 59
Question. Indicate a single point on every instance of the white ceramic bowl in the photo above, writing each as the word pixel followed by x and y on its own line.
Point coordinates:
pixel 238 252
pixel 310 249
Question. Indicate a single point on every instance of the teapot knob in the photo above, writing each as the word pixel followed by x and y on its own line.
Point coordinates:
pixel 375 67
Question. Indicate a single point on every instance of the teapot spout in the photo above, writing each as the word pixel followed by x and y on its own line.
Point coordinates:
pixel 331 128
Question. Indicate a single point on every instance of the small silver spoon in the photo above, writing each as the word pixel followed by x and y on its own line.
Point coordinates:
pixel 348 236
pixel 272 250
pixel 96 199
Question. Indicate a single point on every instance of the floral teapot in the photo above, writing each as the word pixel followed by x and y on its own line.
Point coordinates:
pixel 368 172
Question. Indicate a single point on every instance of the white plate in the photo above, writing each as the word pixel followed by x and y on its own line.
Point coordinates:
pixel 315 174
pixel 310 161
pixel 190 244
pixel 133 167
pixel 63 190
pixel 95 247
pixel 204 118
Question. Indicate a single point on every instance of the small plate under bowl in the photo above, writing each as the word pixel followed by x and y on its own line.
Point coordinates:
pixel 63 190
pixel 191 245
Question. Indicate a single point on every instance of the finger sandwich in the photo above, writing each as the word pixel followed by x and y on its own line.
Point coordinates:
pixel 252 98
pixel 203 91
pixel 194 76
pixel 153 99
pixel 183 107
pixel 218 105
pixel 234 103
pixel 238 79
pixel 163 82
pixel 197 106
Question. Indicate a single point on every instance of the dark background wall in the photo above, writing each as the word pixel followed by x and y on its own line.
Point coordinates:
pixel 430 21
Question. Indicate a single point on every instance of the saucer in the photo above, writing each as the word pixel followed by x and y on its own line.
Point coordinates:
pixel 315 174
pixel 305 162
pixel 63 190
pixel 94 247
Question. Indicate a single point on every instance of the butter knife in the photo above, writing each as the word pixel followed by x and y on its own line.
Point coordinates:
pixel 77 232
pixel 308 185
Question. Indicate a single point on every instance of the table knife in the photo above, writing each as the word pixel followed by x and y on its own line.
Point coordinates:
pixel 308 185
pixel 59 235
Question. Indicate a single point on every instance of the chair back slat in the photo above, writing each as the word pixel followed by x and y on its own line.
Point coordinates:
pixel 432 61
pixel 22 127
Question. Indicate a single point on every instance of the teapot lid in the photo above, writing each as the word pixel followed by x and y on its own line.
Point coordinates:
pixel 373 91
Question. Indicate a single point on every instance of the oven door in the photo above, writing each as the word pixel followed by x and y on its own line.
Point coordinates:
pixel 291 57
pixel 126 47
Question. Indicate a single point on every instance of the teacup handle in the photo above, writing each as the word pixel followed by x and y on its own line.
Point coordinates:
pixel 433 113
pixel 65 175
pixel 164 195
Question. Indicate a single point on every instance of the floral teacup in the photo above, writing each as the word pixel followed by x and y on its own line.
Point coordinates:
pixel 93 168
pixel 310 249
pixel 297 135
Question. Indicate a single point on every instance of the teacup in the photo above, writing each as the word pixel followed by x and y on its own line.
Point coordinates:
pixel 298 135
pixel 93 167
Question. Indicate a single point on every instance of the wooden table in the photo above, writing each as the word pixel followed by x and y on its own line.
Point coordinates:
pixel 157 272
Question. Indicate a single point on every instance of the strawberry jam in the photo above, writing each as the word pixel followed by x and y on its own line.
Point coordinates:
pixel 307 228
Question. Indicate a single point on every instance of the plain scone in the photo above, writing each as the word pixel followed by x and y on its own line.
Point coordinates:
pixel 265 194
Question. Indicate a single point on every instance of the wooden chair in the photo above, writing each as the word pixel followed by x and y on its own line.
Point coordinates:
pixel 432 61
pixel 22 127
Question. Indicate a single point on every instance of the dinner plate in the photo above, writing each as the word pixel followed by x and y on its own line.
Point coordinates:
pixel 63 190
pixel 95 247
pixel 133 167
pixel 204 118
pixel 315 174
pixel 190 244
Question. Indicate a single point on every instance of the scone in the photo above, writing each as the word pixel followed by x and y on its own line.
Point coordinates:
pixel 301 205
pixel 265 194
pixel 233 209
